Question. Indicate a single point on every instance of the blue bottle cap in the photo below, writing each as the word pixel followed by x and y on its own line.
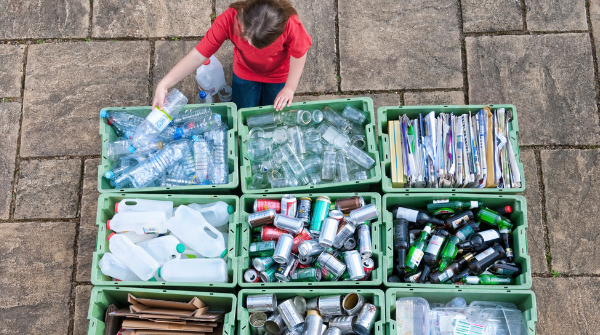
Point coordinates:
pixel 109 174
pixel 131 149
pixel 202 94
pixel 103 113
pixel 195 138
pixel 178 133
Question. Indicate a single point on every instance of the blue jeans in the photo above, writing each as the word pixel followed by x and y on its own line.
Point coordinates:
pixel 248 93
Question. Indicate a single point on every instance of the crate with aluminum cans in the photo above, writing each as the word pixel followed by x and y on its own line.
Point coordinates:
pixel 310 240
pixel 314 312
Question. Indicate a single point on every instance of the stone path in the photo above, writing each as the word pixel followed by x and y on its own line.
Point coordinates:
pixel 62 61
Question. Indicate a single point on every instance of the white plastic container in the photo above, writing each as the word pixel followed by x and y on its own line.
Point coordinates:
pixel 190 227
pixel 111 266
pixel 143 205
pixel 205 270
pixel 137 238
pixel 216 213
pixel 210 76
pixel 139 222
pixel 164 248
pixel 134 257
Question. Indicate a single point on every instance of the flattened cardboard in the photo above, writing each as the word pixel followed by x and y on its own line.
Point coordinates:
pixel 143 324
pixel 193 305
pixel 112 323
pixel 163 332
pixel 139 308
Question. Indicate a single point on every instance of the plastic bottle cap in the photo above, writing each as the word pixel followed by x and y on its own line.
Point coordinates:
pixel 224 253
pixel 131 149
pixel 230 209
pixel 159 145
pixel 152 279
pixel 508 209
pixel 108 225
pixel 202 94
pixel 159 272
pixel 111 235
pixel 116 208
pixel 109 174
pixel 207 62
pixel 178 133
pixel 195 138
pixel 103 113
pixel 180 248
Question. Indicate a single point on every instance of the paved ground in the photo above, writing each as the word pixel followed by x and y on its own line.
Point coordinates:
pixel 61 61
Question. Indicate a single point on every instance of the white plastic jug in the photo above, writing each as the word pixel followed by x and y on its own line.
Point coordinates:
pixel 111 266
pixel 190 227
pixel 164 248
pixel 144 205
pixel 215 213
pixel 137 238
pixel 205 270
pixel 210 76
pixel 134 257
pixel 139 222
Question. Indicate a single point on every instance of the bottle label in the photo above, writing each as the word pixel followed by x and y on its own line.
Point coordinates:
pixel 484 254
pixel 190 256
pixel 446 275
pixel 407 214
pixel 464 327
pixel 489 235
pixel 441 201
pixel 414 278
pixel 474 204
pixel 434 245
pixel 509 252
pixel 427 229
pixel 472 280
pixel 416 257
pixel 457 222
pixel 150 230
pixel 464 233
pixel 159 119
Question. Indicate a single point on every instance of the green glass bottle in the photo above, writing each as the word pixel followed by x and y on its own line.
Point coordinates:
pixel 487 280
pixel 451 248
pixel 415 254
pixel 450 207
pixel 494 219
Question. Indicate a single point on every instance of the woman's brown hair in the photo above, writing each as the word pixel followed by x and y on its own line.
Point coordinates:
pixel 262 21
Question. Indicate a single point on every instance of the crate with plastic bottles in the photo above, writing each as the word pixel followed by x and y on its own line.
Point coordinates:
pixel 166 240
pixel 326 145
pixel 181 148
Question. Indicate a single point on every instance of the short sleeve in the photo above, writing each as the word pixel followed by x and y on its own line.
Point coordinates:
pixel 219 32
pixel 298 40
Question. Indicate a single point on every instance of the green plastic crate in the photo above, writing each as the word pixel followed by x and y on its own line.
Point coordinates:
pixel 106 210
pixel 394 112
pixel 524 300
pixel 364 104
pixel 247 202
pixel 376 297
pixel 228 112
pixel 101 297
pixel 420 201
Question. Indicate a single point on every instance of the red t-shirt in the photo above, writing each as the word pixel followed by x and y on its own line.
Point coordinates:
pixel 268 65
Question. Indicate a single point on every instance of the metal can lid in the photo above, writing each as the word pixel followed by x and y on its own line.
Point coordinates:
pixel 368 262
pixel 336 214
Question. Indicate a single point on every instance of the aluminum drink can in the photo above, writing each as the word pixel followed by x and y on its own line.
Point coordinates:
pixel 310 248
pixel 346 205
pixel 302 266
pixel 364 241
pixel 283 249
pixel 336 214
pixel 354 265
pixel 251 276
pixel 366 319
pixel 304 210
pixel 343 235
pixel 306 275
pixel 261 263
pixel 285 270
pixel 261 218
pixel 326 275
pixel 268 276
pixel 330 305
pixel 328 232
pixel 368 265
pixel 262 204
pixel 350 244
pixel 305 260
pixel 289 205
pixel 366 213
pixel 320 212
pixel 262 248
pixel 261 303
pixel 271 233
pixel 332 264
pixel 288 223
pixel 303 236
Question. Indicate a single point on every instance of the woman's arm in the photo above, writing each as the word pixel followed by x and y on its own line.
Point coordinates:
pixel 286 95
pixel 187 65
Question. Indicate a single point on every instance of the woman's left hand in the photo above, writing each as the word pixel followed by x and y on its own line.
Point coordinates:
pixel 284 98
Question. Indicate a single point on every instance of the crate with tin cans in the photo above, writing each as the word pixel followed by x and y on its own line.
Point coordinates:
pixel 310 240
pixel 314 312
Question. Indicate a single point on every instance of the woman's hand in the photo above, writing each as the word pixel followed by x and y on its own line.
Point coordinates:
pixel 284 98
pixel 159 97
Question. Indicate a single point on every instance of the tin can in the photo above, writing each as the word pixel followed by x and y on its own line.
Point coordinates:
pixel 285 270
pixel 368 265
pixel 320 212
pixel 283 249
pixel 298 239
pixel 343 323
pixel 261 303
pixel 275 324
pixel 365 319
pixel 324 328
pixel 343 235
pixel 350 244
pixel 331 264
pixel 353 303
pixel 304 210
pixel 290 315
pixel 312 304
pixel 289 204
pixel 263 204
pixel 306 275
pixel 330 305
pixel 310 248
pixel 261 263
pixel 333 331
pixel 366 213
pixel 251 276
pixel 364 241
pixel 262 248
pixel 300 304
pixel 289 223
pixel 271 233
pixel 354 265
pixel 313 324
pixel 257 323
pixel 268 276
pixel 328 232
pixel 305 260
pixel 346 205
pixel 261 218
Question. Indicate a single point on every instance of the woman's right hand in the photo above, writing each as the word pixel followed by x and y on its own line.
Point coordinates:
pixel 159 97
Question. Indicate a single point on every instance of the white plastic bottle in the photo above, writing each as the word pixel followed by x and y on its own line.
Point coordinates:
pixel 139 222
pixel 111 266
pixel 134 257
pixel 137 238
pixel 144 205
pixel 210 76
pixel 215 213
pixel 164 248
pixel 192 229
pixel 205 270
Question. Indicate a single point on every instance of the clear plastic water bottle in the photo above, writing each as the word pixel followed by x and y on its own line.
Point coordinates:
pixel 144 205
pixel 121 181
pixel 195 271
pixel 122 148
pixel 197 127
pixel 354 115
pixel 329 163
pixel 192 115
pixel 203 160
pixel 153 222
pixel 342 168
pixel 122 122
pixel 203 98
pixel 190 227
pixel 159 119
pixel 154 167
pixel 215 213
pixel 164 248
pixel 111 266
pixel 119 166
pixel 188 164
pixel 219 174
pixel 133 256
pixel 294 162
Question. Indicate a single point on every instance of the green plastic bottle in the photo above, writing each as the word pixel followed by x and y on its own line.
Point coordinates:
pixel 415 254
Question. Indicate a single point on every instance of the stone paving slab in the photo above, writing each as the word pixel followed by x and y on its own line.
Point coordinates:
pixel 82 303
pixel 36 277
pixel 48 189
pixel 408 45
pixel 11 69
pixel 572 180
pixel 108 74
pixel 549 78
pixel 595 20
pixel 140 18
pixel 9 128
pixel 434 98
pixel 556 15
pixel 166 55
pixel 567 305
pixel 86 244
pixel 491 15
pixel 44 19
